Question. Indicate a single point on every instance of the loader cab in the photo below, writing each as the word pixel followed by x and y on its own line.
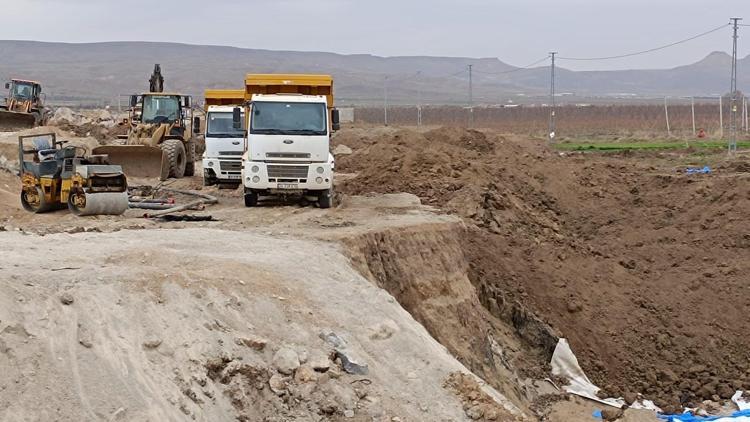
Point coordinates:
pixel 158 108
pixel 21 90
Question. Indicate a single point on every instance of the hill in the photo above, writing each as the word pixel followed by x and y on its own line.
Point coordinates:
pixel 98 73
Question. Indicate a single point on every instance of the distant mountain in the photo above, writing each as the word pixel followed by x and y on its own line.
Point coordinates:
pixel 99 72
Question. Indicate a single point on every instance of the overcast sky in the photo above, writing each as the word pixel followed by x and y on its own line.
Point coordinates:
pixel 518 32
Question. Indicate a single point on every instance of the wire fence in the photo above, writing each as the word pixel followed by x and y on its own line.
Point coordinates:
pixel 709 118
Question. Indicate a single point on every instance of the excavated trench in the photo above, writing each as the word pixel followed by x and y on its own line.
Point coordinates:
pixel 426 269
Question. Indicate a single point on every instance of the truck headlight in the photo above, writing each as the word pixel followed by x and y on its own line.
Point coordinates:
pixel 319 180
pixel 254 169
pixel 210 163
pixel 256 179
pixel 320 170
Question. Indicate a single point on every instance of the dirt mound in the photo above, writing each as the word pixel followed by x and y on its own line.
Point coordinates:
pixel 625 255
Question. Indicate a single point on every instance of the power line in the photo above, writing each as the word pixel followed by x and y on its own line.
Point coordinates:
pixel 646 51
pixel 514 70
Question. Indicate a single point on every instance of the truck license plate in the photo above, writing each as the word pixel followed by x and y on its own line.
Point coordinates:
pixel 234 176
pixel 288 186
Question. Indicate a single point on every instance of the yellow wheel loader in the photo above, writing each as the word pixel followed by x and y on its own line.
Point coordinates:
pixel 23 107
pixel 159 142
pixel 54 176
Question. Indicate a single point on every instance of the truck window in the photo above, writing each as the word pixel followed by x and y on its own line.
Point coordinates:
pixel 160 108
pixel 279 118
pixel 220 125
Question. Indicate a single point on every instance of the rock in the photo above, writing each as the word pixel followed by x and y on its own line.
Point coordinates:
pixel 319 362
pixel 348 413
pixel 630 397
pixel 342 150
pixel 286 361
pixel 63 115
pixel 332 338
pixel 475 412
pixel 303 356
pixel 350 363
pixel 66 298
pixel 252 342
pixel 611 414
pixel 304 374
pixel 277 384
pixel 74 230
pixel 151 342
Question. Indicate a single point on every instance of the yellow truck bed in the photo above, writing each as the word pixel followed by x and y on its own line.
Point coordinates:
pixel 289 84
pixel 224 97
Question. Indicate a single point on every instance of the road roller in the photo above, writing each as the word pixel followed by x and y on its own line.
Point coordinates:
pixel 54 175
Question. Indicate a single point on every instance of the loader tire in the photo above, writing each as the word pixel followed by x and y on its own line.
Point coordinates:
pixel 37 118
pixel 190 165
pixel 176 157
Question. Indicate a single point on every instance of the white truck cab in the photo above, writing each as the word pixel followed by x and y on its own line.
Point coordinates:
pixel 288 146
pixel 222 159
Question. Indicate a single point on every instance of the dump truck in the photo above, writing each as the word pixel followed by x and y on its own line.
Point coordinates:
pixel 24 106
pixel 289 120
pixel 222 158
pixel 159 142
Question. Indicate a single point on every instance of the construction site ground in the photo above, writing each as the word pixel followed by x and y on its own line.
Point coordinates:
pixel 452 265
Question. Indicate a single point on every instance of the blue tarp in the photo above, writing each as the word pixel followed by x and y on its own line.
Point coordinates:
pixel 690 418
pixel 698 170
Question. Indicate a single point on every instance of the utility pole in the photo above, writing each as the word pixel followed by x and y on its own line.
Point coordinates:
pixel 471 97
pixel 419 99
pixel 692 112
pixel 733 106
pixel 721 116
pixel 666 114
pixel 552 98
pixel 385 100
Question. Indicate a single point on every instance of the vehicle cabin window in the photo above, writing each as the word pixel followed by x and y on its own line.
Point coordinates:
pixel 289 118
pixel 22 90
pixel 160 109
pixel 220 123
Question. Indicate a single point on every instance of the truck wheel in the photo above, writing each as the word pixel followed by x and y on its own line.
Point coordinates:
pixel 325 199
pixel 190 165
pixel 176 157
pixel 251 199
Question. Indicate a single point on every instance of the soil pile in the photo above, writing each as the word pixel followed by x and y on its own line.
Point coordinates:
pixel 637 263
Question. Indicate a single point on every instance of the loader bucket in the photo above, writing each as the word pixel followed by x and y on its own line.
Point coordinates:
pixel 12 120
pixel 137 160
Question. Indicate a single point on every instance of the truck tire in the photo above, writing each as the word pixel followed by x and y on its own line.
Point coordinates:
pixel 190 165
pixel 325 198
pixel 176 157
pixel 251 199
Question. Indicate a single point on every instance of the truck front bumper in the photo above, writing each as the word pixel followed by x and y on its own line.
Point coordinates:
pixel 286 177
pixel 222 170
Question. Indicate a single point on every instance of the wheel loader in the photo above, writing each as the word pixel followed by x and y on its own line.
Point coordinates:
pixel 159 142
pixel 24 107
pixel 54 176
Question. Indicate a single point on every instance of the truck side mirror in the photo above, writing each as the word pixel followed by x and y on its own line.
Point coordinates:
pixel 7 85
pixel 187 102
pixel 237 118
pixel 196 125
pixel 335 122
pixel 133 101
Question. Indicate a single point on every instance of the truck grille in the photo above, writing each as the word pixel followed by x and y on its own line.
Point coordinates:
pixel 230 165
pixel 287 172
pixel 230 152
pixel 287 155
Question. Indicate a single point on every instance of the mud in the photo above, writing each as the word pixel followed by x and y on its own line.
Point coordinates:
pixel 639 265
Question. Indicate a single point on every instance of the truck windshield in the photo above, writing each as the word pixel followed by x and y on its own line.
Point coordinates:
pixel 160 108
pixel 274 118
pixel 22 90
pixel 220 125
